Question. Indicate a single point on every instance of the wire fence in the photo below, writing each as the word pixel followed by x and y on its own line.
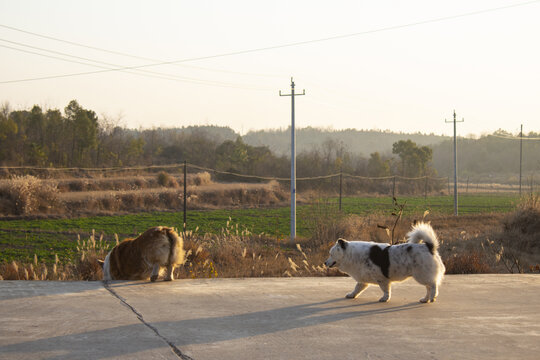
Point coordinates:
pixel 354 194
pixel 335 182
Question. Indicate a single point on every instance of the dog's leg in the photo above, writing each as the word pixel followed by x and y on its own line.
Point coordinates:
pixel 170 273
pixel 155 273
pixel 357 290
pixel 386 289
pixel 434 293
pixel 431 294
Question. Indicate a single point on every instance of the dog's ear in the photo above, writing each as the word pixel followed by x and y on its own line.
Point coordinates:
pixel 101 262
pixel 342 243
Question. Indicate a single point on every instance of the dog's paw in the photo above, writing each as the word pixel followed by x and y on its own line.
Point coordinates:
pixel 168 279
pixel 384 299
pixel 426 300
pixel 350 296
pixel 153 278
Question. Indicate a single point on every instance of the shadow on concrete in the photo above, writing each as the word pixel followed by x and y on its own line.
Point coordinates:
pixel 124 340
pixel 215 329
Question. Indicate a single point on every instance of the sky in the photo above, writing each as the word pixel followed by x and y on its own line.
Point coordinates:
pixel 396 65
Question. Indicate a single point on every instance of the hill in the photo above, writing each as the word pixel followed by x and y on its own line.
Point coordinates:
pixel 358 142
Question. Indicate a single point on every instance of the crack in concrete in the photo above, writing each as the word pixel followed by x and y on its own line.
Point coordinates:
pixel 173 347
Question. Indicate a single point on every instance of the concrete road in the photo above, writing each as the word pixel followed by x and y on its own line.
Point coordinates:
pixel 475 317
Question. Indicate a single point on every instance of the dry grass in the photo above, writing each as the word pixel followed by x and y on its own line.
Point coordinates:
pixel 473 262
pixel 203 197
pixel 489 243
pixel 231 253
pixel 84 267
pixel 26 195
pixel 517 246
pixel 236 252
pixel 166 180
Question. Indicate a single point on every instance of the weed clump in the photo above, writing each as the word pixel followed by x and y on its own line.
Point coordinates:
pixel 526 219
pixel 202 178
pixel 166 180
pixel 473 262
pixel 29 195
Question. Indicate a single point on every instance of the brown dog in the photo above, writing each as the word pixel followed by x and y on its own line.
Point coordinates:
pixel 143 257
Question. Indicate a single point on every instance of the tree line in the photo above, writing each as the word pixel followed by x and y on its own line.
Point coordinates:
pixel 77 137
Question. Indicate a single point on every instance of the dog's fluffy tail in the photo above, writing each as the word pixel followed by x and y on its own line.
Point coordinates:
pixel 424 232
pixel 177 253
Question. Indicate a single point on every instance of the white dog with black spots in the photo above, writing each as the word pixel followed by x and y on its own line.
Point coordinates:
pixel 382 264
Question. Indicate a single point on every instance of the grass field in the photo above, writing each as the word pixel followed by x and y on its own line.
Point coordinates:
pixel 21 239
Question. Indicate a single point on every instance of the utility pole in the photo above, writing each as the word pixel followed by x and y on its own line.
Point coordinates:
pixel 455 164
pixel 293 161
pixel 520 156
pixel 185 198
pixel 340 186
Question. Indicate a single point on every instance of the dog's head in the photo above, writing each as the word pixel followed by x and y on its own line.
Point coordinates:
pixel 337 252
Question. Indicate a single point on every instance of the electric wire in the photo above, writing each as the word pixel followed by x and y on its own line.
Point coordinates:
pixel 146 73
pixel 73 43
pixel 215 171
pixel 293 44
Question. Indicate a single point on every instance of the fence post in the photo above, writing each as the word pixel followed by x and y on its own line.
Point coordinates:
pixel 425 188
pixel 449 186
pixel 467 189
pixel 185 195
pixel 394 188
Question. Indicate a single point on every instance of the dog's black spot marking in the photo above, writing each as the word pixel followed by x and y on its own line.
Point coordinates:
pixel 409 248
pixel 342 243
pixel 380 258
pixel 430 247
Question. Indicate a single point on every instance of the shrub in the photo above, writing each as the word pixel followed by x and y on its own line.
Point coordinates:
pixel 203 178
pixel 30 195
pixel 526 219
pixel 467 263
pixel 166 180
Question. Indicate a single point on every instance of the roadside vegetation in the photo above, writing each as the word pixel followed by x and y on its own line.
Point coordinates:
pixel 474 243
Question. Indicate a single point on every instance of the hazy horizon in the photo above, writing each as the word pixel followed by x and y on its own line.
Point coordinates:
pixel 385 65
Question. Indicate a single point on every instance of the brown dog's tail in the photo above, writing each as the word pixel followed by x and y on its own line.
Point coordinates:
pixel 176 252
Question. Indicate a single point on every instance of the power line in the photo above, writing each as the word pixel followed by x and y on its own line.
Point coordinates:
pixel 146 73
pixel 274 47
pixel 126 54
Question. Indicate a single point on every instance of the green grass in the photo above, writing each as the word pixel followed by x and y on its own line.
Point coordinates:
pixel 467 204
pixel 21 239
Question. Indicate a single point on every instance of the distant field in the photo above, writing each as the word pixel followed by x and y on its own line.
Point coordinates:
pixel 21 239
pixel 467 204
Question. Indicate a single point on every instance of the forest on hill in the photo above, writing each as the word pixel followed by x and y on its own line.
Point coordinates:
pixel 77 137
pixel 361 142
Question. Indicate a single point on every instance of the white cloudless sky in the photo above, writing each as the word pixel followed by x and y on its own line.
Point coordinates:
pixel 486 66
